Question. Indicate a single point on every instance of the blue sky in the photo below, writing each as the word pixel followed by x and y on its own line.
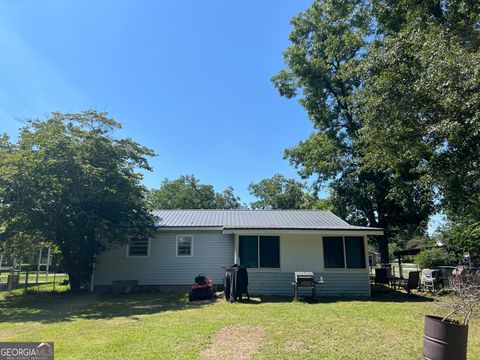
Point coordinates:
pixel 189 79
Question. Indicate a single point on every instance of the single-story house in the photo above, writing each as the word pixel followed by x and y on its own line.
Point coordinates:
pixel 272 244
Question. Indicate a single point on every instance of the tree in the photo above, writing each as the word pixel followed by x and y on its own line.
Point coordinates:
pixel 462 236
pixel 227 199
pixel 187 192
pixel 326 62
pixel 277 192
pixel 420 106
pixel 69 182
pixel 435 257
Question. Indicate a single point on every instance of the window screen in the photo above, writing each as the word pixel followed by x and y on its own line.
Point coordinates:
pixel 269 252
pixel 355 252
pixel 248 251
pixel 184 245
pixel 333 252
pixel 138 247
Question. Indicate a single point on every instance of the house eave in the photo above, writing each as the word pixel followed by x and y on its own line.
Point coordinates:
pixel 268 231
pixel 189 228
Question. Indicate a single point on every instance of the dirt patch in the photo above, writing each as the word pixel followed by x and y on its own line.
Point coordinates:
pixel 298 346
pixel 235 342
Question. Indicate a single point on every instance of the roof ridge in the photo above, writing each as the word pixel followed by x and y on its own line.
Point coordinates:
pixel 258 210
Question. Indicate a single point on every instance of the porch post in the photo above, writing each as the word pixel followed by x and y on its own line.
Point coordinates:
pixel 235 248
pixel 38 264
pixel 365 246
pixel 400 270
pixel 367 265
pixel 48 263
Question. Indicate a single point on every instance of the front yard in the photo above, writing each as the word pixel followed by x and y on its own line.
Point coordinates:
pixel 157 326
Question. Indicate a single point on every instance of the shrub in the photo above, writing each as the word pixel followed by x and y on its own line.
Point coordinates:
pixel 433 258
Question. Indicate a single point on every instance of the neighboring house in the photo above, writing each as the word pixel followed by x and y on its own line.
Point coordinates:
pixel 373 258
pixel 272 244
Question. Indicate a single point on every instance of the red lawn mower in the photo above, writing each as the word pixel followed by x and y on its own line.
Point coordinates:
pixel 203 289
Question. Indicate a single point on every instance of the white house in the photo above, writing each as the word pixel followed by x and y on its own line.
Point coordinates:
pixel 272 244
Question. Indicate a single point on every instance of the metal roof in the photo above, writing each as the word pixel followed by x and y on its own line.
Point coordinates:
pixel 254 219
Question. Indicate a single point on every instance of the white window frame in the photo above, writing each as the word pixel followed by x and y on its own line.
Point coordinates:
pixel 139 256
pixel 191 246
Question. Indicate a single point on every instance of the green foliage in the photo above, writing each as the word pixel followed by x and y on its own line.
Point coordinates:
pixel 227 199
pixel 435 257
pixel 327 67
pixel 277 192
pixel 420 102
pixel 311 201
pixel 69 182
pixel 417 242
pixel 462 236
pixel 187 192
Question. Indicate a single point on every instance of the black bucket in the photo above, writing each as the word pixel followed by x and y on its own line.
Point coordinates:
pixel 444 340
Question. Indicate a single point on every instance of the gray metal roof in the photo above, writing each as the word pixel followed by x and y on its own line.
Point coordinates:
pixel 254 219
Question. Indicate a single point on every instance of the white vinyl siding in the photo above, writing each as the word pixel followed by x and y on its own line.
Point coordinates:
pixel 213 253
pixel 344 282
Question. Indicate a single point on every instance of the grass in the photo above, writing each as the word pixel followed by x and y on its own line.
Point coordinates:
pixel 157 325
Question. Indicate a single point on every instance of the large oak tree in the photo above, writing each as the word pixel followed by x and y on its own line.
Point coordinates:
pixel 421 105
pixel 326 69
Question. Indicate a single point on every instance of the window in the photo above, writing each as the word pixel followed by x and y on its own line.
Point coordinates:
pixel 137 247
pixel 333 252
pixel 259 251
pixel 355 252
pixel 248 251
pixel 184 245
pixel 269 252
pixel 338 250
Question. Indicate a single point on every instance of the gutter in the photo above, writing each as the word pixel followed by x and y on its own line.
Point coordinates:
pixel 259 231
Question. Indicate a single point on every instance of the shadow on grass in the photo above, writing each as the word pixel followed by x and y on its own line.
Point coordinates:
pixel 56 307
pixel 379 294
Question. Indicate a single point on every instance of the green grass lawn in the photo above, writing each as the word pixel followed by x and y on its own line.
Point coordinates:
pixel 156 325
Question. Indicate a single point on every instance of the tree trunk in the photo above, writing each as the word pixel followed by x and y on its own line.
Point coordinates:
pixel 76 272
pixel 75 279
pixel 383 248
